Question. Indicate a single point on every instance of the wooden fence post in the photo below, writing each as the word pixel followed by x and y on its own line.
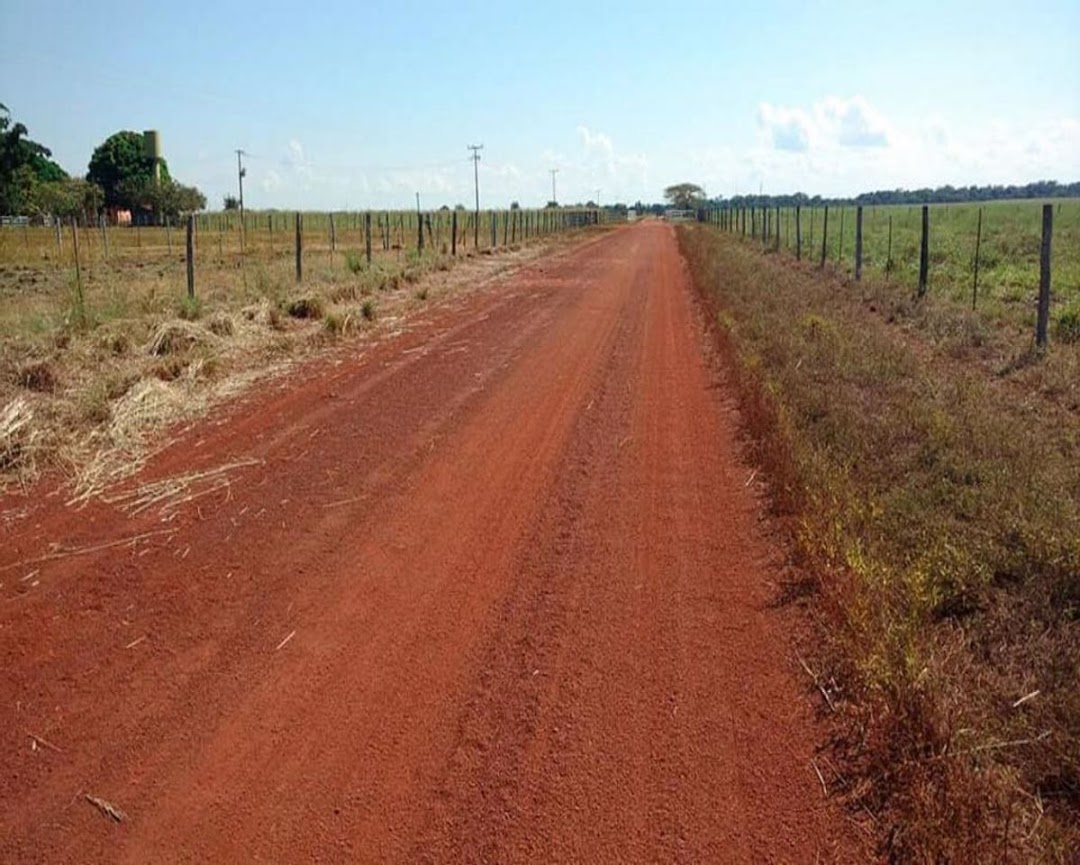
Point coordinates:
pixel 333 238
pixel 299 248
pixel 798 233
pixel 59 236
pixel 78 266
pixel 824 235
pixel 924 251
pixel 858 243
pixel 104 237
pixel 975 263
pixel 494 230
pixel 367 236
pixel 189 251
pixel 1043 318
pixel 888 253
pixel 777 238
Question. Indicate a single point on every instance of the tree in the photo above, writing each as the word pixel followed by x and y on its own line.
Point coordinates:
pixel 71 196
pixel 165 199
pixel 120 166
pixel 22 162
pixel 231 202
pixel 685 196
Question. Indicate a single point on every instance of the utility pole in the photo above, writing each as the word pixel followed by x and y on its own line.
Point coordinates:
pixel 598 198
pixel 241 172
pixel 476 148
pixel 553 172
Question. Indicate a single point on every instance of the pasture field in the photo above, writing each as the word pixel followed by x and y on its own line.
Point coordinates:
pixel 1008 254
pixel 92 360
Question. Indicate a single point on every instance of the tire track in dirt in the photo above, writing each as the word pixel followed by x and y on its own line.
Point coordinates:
pixel 526 595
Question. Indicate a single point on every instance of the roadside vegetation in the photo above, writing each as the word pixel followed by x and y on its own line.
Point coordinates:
pixel 89 379
pixel 924 459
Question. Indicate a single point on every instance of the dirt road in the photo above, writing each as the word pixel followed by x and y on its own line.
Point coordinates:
pixel 495 591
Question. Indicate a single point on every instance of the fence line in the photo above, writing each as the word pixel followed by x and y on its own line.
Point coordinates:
pixel 897 240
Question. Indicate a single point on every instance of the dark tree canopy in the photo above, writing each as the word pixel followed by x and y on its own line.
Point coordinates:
pixel 22 163
pixel 685 196
pixel 120 166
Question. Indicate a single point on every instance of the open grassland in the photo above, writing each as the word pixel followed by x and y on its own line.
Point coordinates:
pixel 1011 234
pixel 86 379
pixel 934 506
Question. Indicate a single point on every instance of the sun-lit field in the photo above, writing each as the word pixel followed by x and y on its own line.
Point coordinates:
pixel 1008 277
pixel 94 356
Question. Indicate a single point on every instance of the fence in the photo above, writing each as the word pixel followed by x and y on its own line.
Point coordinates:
pixel 993 254
pixel 333 240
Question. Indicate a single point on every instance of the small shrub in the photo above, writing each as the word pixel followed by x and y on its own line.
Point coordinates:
pixel 367 310
pixel 354 262
pixel 190 308
pixel 338 323
pixel 37 375
pixel 1067 328
pixel 305 307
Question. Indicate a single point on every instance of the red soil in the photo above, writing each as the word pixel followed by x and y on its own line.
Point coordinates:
pixel 526 591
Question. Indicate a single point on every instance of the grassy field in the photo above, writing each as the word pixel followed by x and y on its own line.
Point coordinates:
pixel 929 477
pixel 87 378
pixel 1008 254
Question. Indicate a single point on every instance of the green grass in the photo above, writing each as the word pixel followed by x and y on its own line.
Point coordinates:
pixel 936 506
pixel 1008 254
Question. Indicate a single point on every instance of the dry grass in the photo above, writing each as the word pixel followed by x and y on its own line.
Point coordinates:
pixel 86 394
pixel 937 505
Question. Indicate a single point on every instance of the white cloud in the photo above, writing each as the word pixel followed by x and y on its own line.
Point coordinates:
pixel 833 121
pixel 271 180
pixel 787 128
pixel 843 146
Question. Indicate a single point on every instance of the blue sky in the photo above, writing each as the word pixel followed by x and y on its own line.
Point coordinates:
pixel 363 104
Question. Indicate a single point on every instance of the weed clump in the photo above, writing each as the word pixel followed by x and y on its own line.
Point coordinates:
pixel 367 310
pixel 177 336
pixel 37 375
pixel 190 308
pixel 305 307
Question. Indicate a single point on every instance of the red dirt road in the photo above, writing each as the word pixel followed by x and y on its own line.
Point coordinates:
pixel 495 591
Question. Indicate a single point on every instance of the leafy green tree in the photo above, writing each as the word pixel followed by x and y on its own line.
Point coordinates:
pixel 120 166
pixel 71 196
pixel 165 199
pixel 231 202
pixel 22 162
pixel 685 196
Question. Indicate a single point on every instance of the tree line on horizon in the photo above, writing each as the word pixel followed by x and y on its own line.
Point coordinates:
pixel 947 194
